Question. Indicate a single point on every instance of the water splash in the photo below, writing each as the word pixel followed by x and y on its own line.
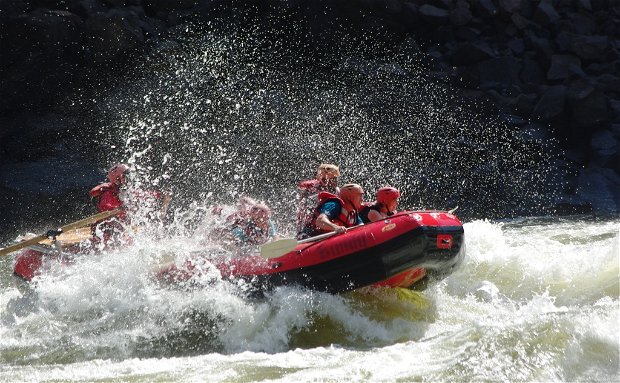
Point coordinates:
pixel 240 112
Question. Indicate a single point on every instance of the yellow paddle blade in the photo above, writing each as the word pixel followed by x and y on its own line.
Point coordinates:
pixel 277 248
pixel 71 237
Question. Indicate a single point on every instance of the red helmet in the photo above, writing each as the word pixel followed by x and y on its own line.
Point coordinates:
pixel 116 173
pixel 387 194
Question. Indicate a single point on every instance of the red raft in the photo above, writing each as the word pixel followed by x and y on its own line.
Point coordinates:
pixel 396 251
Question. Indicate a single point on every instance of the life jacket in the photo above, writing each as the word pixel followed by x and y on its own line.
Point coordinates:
pixel 27 264
pixel 345 218
pixel 252 234
pixel 106 196
pixel 367 207
pixel 309 191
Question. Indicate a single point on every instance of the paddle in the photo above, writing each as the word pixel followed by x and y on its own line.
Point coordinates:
pixel 68 227
pixel 280 247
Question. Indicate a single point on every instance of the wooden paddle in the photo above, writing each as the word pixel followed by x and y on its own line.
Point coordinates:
pixel 282 246
pixel 71 226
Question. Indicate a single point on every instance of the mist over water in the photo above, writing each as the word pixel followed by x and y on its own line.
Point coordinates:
pixel 213 113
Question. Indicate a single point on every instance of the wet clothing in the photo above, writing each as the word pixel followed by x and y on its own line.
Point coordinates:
pixel 106 196
pixel 333 208
pixel 367 208
pixel 308 201
pixel 251 234
pixel 245 232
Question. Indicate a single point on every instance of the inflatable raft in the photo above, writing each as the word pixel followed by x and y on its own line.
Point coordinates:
pixel 396 251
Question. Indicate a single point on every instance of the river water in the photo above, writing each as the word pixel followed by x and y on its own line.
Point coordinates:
pixel 535 300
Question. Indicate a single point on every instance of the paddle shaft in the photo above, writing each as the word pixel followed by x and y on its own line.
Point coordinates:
pixel 280 247
pixel 318 237
pixel 325 235
pixel 71 226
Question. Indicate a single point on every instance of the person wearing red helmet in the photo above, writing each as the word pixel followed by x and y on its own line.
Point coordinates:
pixel 326 181
pixel 336 213
pixel 385 205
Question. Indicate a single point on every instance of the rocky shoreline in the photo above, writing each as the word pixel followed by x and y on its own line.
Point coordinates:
pixel 552 67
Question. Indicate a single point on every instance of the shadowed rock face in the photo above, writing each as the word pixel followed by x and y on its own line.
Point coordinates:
pixel 550 65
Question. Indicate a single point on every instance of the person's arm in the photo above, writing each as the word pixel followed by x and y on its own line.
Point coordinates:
pixel 328 212
pixel 323 223
pixel 374 216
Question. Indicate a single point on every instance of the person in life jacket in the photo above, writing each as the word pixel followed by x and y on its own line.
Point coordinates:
pixel 114 194
pixel 385 205
pixel 336 213
pixel 107 197
pixel 243 209
pixel 326 181
pixel 255 228
pixel 107 194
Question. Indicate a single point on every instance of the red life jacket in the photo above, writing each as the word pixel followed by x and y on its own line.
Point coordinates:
pixel 345 218
pixel 27 264
pixel 309 199
pixel 107 196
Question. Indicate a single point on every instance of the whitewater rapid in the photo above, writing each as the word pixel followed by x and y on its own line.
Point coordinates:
pixel 535 300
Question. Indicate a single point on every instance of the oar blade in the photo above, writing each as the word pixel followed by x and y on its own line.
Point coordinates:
pixel 277 248
pixel 66 228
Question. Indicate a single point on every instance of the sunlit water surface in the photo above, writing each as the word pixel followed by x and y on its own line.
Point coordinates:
pixel 535 300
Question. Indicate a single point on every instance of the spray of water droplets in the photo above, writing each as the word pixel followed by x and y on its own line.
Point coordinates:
pixel 213 114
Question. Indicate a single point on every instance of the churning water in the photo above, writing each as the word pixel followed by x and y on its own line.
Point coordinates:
pixel 535 300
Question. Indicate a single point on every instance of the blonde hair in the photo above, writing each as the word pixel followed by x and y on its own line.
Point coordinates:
pixel 329 168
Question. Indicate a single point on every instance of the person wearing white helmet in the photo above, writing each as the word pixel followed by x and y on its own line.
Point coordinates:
pixel 336 213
